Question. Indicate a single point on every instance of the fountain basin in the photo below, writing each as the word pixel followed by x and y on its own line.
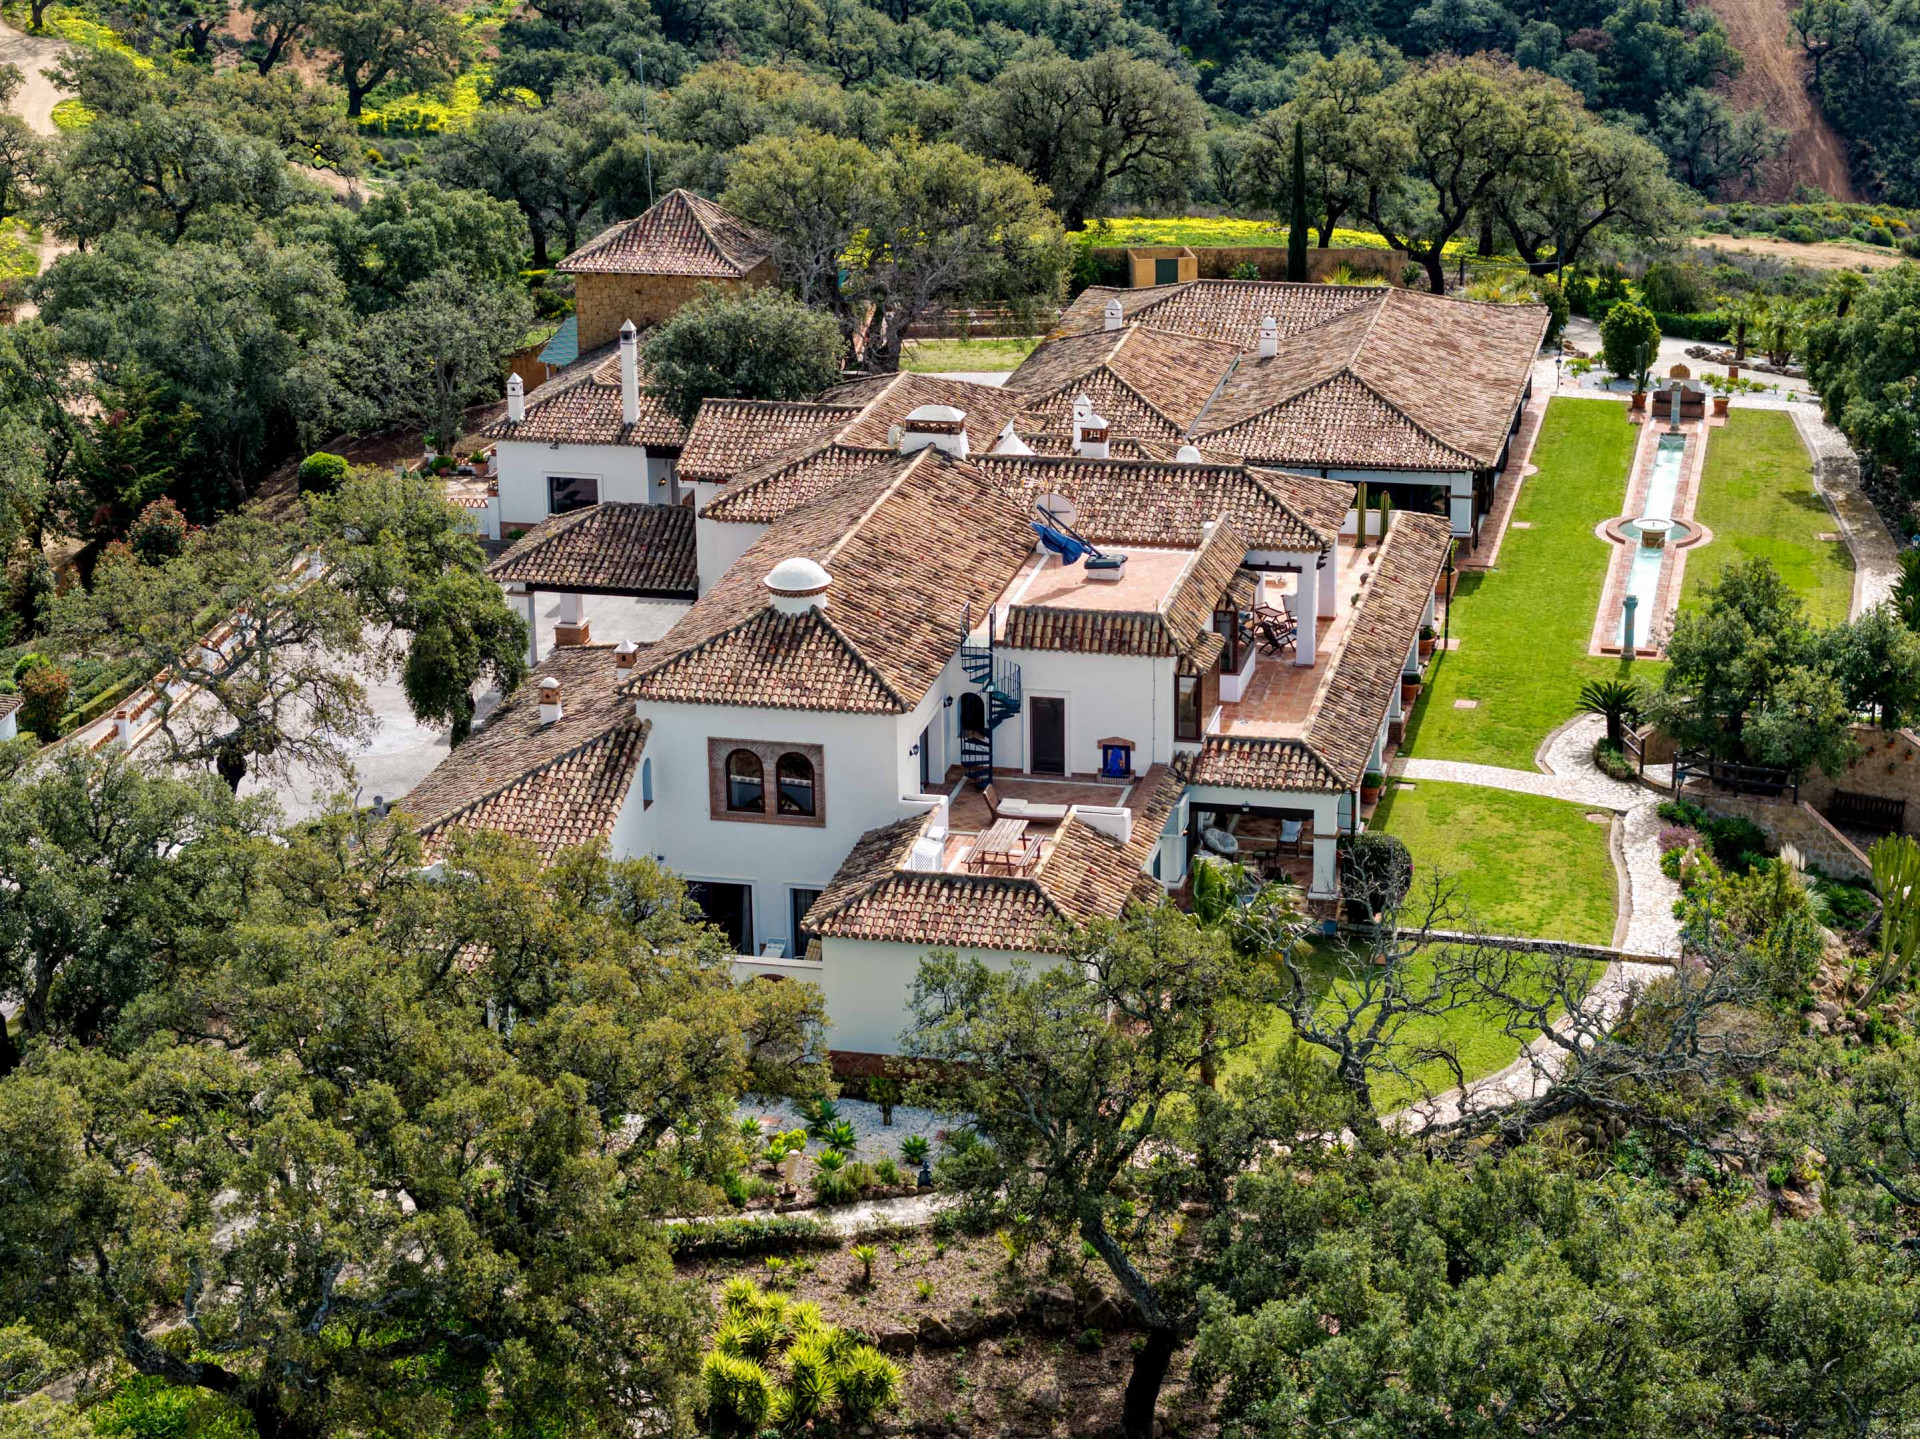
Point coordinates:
pixel 1653 531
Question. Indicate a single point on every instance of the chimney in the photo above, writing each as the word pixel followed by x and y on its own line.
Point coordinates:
pixel 1188 455
pixel 1269 338
pixel 1090 431
pixel 1114 821
pixel 941 426
pixel 798 585
pixel 123 727
pixel 1009 443
pixel 1116 314
pixel 625 655
pixel 629 375
pixel 550 710
pixel 516 400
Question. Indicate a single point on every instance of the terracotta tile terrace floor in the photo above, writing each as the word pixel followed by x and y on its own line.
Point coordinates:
pixel 968 813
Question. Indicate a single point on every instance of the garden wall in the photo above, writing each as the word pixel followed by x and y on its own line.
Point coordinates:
pixel 1789 822
pixel 1887 767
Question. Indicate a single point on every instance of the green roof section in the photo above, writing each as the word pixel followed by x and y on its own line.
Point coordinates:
pixel 564 347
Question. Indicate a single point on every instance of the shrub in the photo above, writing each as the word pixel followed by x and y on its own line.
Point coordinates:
pixel 1678 837
pixel 914 1148
pixel 1709 326
pixel 1630 340
pixel 1614 762
pixel 43 699
pixel 832 1188
pixel 739 1237
pixel 738 1392
pixel 321 473
pixel 159 534
pixel 867 1382
pixel 886 1171
pixel 1245 270
pixel 734 1185
pixel 1376 871
pixel 858 1176
pixel 1088 1340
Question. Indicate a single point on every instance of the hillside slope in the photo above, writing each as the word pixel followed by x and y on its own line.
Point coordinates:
pixel 1775 81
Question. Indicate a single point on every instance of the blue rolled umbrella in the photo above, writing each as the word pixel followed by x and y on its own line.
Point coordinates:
pixel 1067 547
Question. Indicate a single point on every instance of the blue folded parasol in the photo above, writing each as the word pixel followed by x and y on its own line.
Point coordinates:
pixel 1067 547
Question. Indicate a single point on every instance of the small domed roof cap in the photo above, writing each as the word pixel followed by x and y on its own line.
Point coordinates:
pixel 938 414
pixel 797 576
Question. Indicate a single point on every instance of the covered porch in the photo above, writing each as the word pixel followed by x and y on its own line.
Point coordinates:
pixel 1291 838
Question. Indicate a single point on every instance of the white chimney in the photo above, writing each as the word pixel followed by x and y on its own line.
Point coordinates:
pixel 624 655
pixel 629 374
pixel 1269 338
pixel 550 710
pixel 941 426
pixel 1188 455
pixel 516 400
pixel 1090 431
pixel 1116 314
pixel 798 585
pixel 123 728
pixel 1010 443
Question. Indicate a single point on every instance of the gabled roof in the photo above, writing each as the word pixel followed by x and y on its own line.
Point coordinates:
pixel 1258 762
pixel 583 408
pixel 553 785
pixel 1166 632
pixel 914 544
pixel 1083 874
pixel 728 436
pixel 1365 376
pixel 1141 380
pixel 888 402
pixel 608 548
pixel 1359 688
pixel 1146 502
pixel 681 235
pixel 790 479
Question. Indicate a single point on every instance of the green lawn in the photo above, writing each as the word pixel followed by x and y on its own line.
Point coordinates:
pixel 1757 497
pixel 1004 354
pixel 1525 865
pixel 1523 627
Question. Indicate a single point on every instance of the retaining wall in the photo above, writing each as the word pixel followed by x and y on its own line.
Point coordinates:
pixel 1789 822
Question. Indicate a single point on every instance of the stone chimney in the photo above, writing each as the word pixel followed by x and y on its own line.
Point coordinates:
pixel 629 374
pixel 1269 338
pixel 798 585
pixel 516 400
pixel 550 710
pixel 1116 314
pixel 941 426
pixel 625 655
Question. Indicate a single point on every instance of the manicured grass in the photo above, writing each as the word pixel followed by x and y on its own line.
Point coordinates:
pixel 997 354
pixel 1523 627
pixel 1524 864
pixel 1757 497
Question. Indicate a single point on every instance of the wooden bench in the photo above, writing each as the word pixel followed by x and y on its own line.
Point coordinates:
pixel 1867 811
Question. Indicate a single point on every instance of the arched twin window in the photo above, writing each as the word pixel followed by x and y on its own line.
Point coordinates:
pixel 793 776
pixel 746 783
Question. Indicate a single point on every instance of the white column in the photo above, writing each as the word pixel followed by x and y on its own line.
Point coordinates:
pixel 1330 585
pixel 1326 864
pixel 1377 761
pixel 1460 503
pixel 1306 606
pixel 533 631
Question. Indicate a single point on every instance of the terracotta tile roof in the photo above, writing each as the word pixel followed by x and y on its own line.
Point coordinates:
pixel 791 479
pixel 1359 688
pixel 1229 310
pixel 1261 763
pixel 681 235
pixel 1167 632
pixel 1143 502
pixel 583 408
pixel 609 548
pixel 987 408
pixel 1142 380
pixel 728 436
pixel 553 785
pixel 912 543
pixel 10 703
pixel 1083 874
pixel 1365 376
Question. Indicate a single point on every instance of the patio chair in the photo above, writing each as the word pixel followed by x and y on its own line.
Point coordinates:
pixel 1291 842
pixel 1275 636
pixel 1001 808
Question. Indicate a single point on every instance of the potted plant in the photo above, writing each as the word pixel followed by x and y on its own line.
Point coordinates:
pixel 1720 406
pixel 1370 784
pixel 1427 642
pixel 1409 691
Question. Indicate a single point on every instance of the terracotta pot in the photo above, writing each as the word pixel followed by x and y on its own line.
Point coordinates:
pixel 1639 399
pixel 1426 649
pixel 1369 794
pixel 1733 372
pixel 1409 692
pixel 1440 586
pixel 1719 405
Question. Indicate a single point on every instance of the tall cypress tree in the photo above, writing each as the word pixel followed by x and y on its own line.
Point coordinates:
pixel 1297 222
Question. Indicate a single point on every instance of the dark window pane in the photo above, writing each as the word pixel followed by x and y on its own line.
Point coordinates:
pixel 794 775
pixel 1186 707
pixel 565 492
pixel 746 786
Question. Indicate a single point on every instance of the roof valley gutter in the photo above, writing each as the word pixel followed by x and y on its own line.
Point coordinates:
pixel 1193 429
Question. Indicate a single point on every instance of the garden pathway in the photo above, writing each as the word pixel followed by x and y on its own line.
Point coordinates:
pixel 1569 774
pixel 1836 474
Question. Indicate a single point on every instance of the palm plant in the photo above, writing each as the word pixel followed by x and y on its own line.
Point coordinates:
pixel 1781 329
pixel 864 1255
pixel 1618 702
pixel 1743 318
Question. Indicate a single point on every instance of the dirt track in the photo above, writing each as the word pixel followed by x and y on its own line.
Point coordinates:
pixel 1775 80
pixel 1814 257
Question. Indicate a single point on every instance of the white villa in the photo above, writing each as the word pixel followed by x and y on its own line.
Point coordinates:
pixel 961 662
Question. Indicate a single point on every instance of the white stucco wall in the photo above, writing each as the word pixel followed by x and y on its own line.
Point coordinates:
pixel 718 544
pixel 1108 696
pixel 626 474
pixel 868 987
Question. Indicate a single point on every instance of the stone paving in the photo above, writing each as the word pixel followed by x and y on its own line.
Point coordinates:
pixel 1836 474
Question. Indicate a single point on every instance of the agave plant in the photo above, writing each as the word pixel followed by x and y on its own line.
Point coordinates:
pixel 738 1392
pixel 842 1135
pixel 821 1116
pixel 830 1160
pixel 914 1148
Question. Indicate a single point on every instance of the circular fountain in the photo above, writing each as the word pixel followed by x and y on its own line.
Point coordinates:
pixel 1655 533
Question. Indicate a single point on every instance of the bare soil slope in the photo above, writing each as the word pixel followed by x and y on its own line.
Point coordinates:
pixel 1775 80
